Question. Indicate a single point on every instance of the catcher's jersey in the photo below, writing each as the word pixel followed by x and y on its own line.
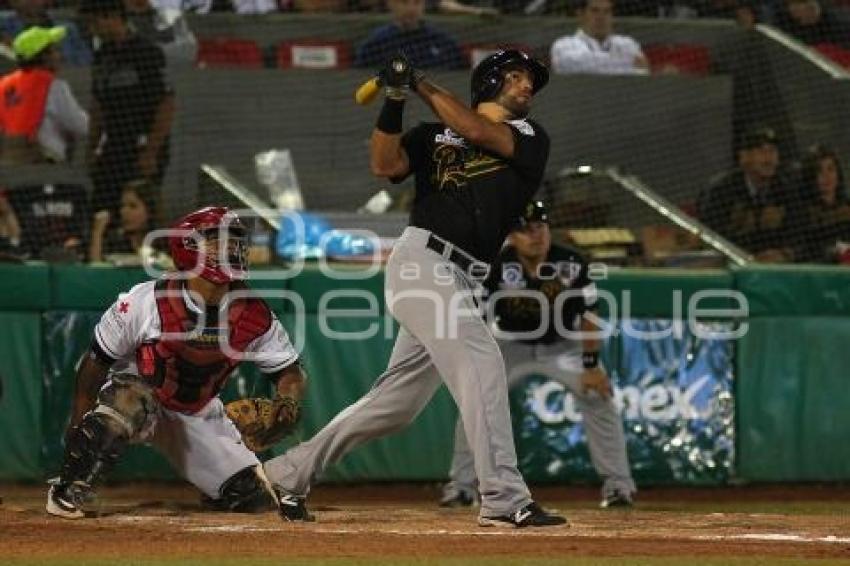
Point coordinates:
pixel 134 319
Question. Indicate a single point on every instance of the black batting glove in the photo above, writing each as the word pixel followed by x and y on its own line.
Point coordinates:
pixel 398 75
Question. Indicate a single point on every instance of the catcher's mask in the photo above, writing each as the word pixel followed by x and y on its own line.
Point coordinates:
pixel 488 77
pixel 229 261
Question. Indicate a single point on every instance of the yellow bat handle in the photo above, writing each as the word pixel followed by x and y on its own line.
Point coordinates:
pixel 367 91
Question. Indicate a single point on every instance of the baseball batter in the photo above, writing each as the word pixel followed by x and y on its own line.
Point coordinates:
pixel 530 275
pixel 160 356
pixel 475 170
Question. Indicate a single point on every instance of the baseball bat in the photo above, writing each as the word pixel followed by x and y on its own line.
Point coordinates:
pixel 368 91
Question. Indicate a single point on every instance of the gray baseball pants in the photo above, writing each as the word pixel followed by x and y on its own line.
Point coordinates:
pixel 442 339
pixel 560 361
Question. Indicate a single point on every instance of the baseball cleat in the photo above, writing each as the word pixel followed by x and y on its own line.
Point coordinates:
pixel 458 498
pixel 616 498
pixel 532 515
pixel 66 500
pixel 292 507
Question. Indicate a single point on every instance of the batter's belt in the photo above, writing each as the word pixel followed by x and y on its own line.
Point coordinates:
pixel 475 269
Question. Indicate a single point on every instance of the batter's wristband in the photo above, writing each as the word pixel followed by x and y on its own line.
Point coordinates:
pixel 590 360
pixel 390 119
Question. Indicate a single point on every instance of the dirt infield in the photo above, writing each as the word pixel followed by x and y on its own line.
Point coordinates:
pixel 403 521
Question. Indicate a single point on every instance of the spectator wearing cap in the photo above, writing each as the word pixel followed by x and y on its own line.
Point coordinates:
pixel 132 108
pixel 425 45
pixel 824 194
pixel 752 205
pixel 813 23
pixel 165 27
pixel 33 13
pixel 594 48
pixel 39 116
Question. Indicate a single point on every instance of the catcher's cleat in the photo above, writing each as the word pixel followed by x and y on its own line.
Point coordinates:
pixel 292 507
pixel 458 498
pixel 616 498
pixel 532 515
pixel 67 500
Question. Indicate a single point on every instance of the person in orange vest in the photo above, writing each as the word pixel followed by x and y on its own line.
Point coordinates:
pixel 39 116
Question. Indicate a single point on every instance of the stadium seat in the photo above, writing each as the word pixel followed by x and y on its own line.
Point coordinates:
pixel 314 54
pixel 834 52
pixel 475 52
pixel 683 58
pixel 229 52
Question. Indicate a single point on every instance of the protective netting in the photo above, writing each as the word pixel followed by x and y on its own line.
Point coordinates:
pixel 698 119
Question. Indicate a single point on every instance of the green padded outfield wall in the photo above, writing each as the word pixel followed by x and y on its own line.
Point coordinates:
pixel 793 396
pixel 790 369
pixel 20 403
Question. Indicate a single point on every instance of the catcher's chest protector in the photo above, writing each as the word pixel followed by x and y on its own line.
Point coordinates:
pixel 187 373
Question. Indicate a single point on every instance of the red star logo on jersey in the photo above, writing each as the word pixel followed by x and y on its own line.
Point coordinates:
pixel 123 307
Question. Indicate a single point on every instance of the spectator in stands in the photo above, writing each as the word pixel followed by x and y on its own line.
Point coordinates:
pixel 137 218
pixel 426 46
pixel 594 48
pixel 238 6
pixel 813 23
pixel 10 228
pixel 133 106
pixel 459 8
pixel 827 204
pixel 194 6
pixel 39 116
pixel 53 220
pixel 31 13
pixel 253 6
pixel 165 27
pixel 753 206
pixel 746 12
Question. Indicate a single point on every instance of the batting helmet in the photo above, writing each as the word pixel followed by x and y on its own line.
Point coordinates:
pixel 488 77
pixel 535 211
pixel 212 222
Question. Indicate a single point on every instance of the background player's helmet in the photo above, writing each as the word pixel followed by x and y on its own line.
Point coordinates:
pixel 211 222
pixel 535 211
pixel 489 75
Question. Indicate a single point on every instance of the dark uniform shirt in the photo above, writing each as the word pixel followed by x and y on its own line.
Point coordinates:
pixel 129 83
pixel 468 195
pixel 564 269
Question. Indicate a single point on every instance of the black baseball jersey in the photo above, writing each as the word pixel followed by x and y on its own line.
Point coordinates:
pixel 129 82
pixel 468 195
pixel 564 268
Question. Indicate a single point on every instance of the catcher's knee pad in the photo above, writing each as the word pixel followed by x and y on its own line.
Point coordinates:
pixel 246 491
pixel 129 401
pixel 93 446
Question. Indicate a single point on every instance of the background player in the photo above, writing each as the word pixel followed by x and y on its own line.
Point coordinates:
pixel 531 262
pixel 163 341
pixel 475 171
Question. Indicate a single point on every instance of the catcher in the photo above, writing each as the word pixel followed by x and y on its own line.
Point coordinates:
pixel 160 356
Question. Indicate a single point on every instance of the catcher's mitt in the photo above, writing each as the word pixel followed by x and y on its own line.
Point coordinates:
pixel 264 422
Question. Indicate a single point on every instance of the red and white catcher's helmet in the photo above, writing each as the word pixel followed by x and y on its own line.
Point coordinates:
pixel 229 262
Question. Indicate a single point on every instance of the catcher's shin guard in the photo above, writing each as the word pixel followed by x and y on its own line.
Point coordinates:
pixel 92 448
pixel 246 491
